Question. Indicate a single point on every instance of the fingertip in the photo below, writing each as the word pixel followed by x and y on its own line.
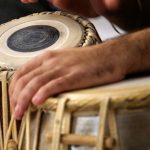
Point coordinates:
pixel 37 100
pixel 18 112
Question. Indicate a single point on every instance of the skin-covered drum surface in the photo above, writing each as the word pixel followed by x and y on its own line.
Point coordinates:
pixel 33 38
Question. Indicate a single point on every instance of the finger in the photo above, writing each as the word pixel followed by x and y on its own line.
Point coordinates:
pixel 24 97
pixel 28 67
pixel 29 1
pixel 20 80
pixel 20 84
pixel 20 108
pixel 56 86
pixel 33 76
pixel 26 94
pixel 21 72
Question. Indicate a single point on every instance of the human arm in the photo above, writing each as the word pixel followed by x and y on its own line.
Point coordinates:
pixel 54 72
pixel 129 15
pixel 72 6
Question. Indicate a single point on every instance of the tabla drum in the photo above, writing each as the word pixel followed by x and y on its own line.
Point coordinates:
pixel 120 111
pixel 24 38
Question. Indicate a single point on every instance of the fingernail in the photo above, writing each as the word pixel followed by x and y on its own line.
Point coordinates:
pixel 18 112
pixel 36 100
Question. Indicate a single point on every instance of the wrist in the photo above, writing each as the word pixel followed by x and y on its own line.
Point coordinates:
pixel 121 54
pixel 113 58
pixel 135 52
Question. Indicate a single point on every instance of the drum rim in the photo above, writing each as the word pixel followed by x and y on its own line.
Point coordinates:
pixel 90 32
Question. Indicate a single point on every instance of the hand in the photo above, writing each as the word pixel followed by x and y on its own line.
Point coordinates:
pixel 89 8
pixel 62 70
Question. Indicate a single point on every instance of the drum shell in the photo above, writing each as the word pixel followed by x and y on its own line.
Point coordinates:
pixel 134 129
pixel 128 100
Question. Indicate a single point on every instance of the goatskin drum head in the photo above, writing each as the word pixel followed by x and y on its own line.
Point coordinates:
pixel 24 38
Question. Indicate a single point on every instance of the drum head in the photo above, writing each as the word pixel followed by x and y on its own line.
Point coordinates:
pixel 24 38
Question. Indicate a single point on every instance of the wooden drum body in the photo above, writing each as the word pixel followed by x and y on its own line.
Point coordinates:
pixel 122 109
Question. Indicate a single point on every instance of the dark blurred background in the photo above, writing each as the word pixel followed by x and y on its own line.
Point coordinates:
pixel 13 9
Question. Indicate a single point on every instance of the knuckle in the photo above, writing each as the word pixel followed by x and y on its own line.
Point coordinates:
pixel 35 83
pixel 44 90
pixel 24 97
pixel 17 74
pixel 48 54
pixel 22 69
pixel 33 73
pixel 63 82
pixel 29 89
pixel 37 80
pixel 21 82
